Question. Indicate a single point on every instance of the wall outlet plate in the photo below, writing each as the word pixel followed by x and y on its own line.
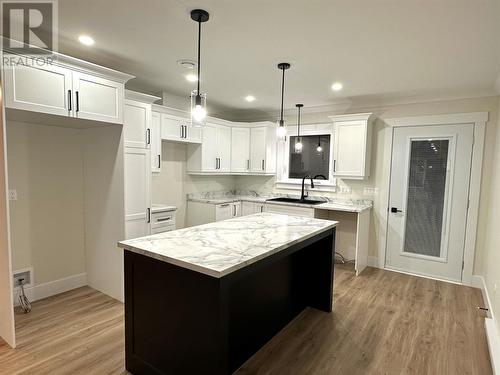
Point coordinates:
pixel 12 195
pixel 26 274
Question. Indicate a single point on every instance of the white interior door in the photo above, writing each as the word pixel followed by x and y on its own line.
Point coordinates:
pixel 428 200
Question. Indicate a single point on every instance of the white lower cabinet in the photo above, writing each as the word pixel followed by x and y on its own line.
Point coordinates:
pixel 227 211
pixel 137 172
pixel 250 208
pixel 289 210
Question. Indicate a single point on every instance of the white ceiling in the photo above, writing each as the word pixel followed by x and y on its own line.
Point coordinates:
pixel 381 50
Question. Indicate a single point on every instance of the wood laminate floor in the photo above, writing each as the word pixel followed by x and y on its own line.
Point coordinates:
pixel 383 323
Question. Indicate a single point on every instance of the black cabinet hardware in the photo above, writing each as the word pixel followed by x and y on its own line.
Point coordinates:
pixel 69 100
pixel 148 215
pixel 159 161
pixel 148 136
pixel 77 101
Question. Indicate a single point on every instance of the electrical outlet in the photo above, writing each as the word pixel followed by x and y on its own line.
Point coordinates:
pixel 370 191
pixel 344 189
pixel 12 195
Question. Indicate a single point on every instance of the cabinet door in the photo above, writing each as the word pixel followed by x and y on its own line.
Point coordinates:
pixel 258 149
pixel 97 98
pixel 240 149
pixel 194 134
pixel 224 148
pixel 247 208
pixel 259 207
pixel 209 156
pixel 172 128
pixel 137 124
pixel 289 210
pixel 350 148
pixel 155 142
pixel 137 192
pixel 44 89
pixel 223 211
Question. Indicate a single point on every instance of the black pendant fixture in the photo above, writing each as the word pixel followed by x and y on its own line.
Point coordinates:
pixel 199 99
pixel 281 129
pixel 298 141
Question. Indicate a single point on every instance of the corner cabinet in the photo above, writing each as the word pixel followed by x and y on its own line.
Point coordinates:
pixel 352 146
pixel 214 153
pixel 69 87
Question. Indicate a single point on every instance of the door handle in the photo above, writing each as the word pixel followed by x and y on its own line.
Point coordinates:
pixel 69 100
pixel 394 210
pixel 77 101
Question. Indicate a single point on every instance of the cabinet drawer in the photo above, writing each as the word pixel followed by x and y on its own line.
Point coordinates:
pixel 162 219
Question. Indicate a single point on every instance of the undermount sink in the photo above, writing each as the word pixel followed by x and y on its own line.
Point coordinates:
pixel 295 200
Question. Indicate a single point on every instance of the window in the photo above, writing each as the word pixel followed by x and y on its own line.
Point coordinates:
pixel 313 160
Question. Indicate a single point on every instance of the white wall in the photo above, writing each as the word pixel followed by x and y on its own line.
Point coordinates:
pixel 379 171
pixel 491 242
pixel 47 220
pixel 173 183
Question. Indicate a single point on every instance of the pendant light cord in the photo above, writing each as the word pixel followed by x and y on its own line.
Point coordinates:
pixel 298 126
pixel 199 54
pixel 282 95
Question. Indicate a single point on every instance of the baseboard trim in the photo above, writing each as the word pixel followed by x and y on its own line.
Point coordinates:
pixel 493 344
pixel 52 288
pixel 479 282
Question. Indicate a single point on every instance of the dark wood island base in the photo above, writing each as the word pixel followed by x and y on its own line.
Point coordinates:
pixel 179 321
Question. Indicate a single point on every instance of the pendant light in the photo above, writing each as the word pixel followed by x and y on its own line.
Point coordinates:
pixel 298 143
pixel 319 149
pixel 281 129
pixel 199 99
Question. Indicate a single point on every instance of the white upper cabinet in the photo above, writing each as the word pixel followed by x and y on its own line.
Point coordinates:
pixel 214 154
pixel 240 150
pixel 97 98
pixel 178 128
pixel 46 89
pixel 69 87
pixel 155 142
pixel 352 146
pixel 263 150
pixel 137 124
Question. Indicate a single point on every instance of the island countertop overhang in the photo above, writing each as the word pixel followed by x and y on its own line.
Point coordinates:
pixel 220 248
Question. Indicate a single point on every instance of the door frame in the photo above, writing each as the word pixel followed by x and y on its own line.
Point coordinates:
pixel 479 120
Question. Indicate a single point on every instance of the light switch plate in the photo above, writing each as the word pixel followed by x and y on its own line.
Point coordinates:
pixel 12 195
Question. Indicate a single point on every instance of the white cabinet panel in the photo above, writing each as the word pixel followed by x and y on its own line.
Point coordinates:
pixel 46 89
pixel 240 149
pixel 289 210
pixel 155 142
pixel 136 124
pixel 98 98
pixel 209 160
pixel 249 208
pixel 351 150
pixel 227 211
pixel 194 134
pixel 224 148
pixel 172 128
pixel 137 192
pixel 258 149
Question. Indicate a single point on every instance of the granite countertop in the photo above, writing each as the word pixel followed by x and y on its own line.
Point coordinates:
pixel 162 208
pixel 332 204
pixel 219 248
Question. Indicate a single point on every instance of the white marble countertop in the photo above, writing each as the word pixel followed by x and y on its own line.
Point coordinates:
pixel 332 205
pixel 219 248
pixel 162 208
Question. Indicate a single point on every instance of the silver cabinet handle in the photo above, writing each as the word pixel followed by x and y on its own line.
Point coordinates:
pixel 334 165
pixel 182 131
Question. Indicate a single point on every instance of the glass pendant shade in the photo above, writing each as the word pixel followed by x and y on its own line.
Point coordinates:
pixel 298 146
pixel 319 148
pixel 198 109
pixel 281 130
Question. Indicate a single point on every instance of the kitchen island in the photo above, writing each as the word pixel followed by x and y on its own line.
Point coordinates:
pixel 204 299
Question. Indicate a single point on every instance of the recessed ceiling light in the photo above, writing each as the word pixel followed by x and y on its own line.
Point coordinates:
pixel 188 64
pixel 191 77
pixel 337 86
pixel 85 39
pixel 250 98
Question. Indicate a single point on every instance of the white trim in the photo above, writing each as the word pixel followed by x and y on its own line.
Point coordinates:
pixel 493 344
pixel 392 269
pixel 141 97
pixel 479 120
pixel 52 288
pixel 479 283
